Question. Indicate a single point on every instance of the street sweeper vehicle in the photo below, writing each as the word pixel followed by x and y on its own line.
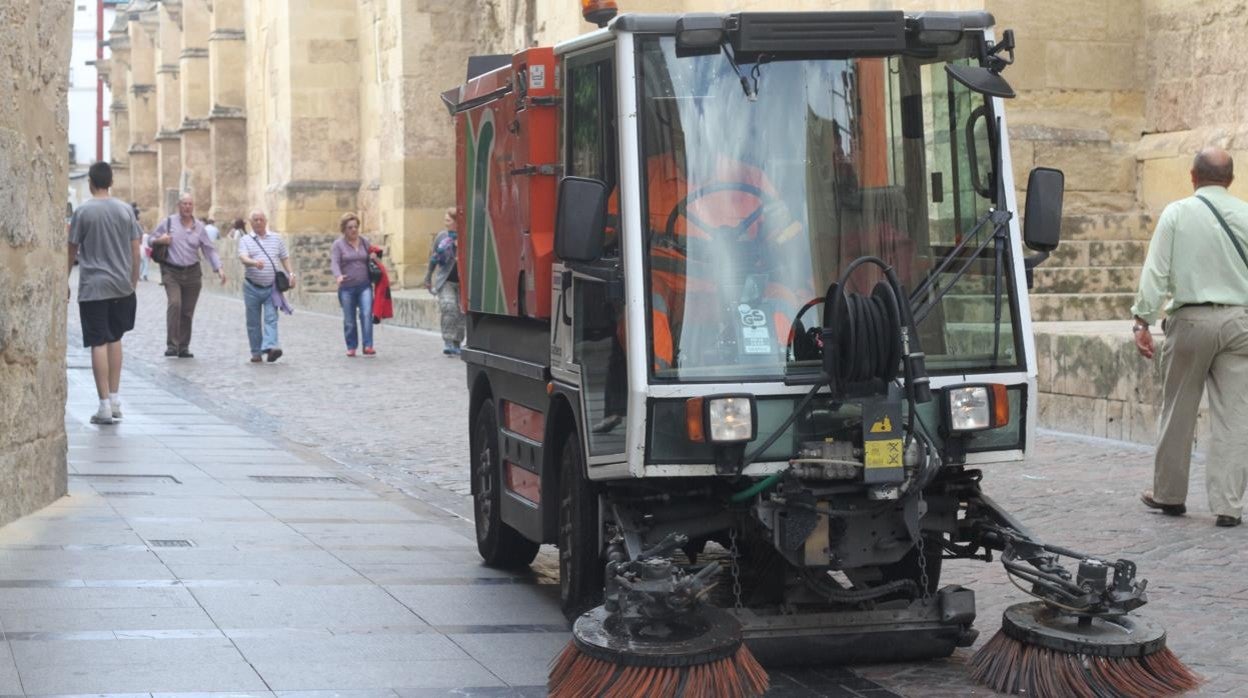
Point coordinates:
pixel 747 327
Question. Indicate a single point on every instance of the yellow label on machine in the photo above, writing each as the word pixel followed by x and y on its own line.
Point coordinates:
pixel 883 426
pixel 883 454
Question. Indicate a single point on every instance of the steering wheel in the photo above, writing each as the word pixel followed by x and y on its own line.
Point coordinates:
pixel 682 208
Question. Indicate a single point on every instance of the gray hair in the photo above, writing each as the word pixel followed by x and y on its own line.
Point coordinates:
pixel 1213 165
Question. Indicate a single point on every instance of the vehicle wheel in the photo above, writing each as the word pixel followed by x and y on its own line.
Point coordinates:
pixel 581 566
pixel 500 545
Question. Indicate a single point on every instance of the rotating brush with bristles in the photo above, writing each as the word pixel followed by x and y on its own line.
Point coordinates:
pixel 702 657
pixel 1048 653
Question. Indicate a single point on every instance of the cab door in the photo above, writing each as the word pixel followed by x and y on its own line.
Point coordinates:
pixel 591 344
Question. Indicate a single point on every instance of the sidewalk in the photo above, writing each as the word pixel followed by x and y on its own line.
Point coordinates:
pixel 195 556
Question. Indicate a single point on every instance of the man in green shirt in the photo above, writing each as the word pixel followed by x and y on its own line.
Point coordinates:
pixel 1197 260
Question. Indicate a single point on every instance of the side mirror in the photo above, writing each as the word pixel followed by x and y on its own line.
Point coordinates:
pixel 1042 222
pixel 581 219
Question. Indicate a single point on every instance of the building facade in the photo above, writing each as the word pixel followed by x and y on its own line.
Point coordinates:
pixel 309 108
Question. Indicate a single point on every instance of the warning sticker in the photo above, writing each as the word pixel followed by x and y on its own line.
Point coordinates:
pixel 883 454
pixel 537 77
pixel 756 340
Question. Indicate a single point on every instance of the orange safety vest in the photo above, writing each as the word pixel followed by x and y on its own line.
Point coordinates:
pixel 670 285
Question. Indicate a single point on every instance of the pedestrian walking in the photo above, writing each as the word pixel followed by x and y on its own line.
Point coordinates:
pixel 238 229
pixel 442 280
pixel 349 257
pixel 264 285
pixel 145 253
pixel 1197 261
pixel 104 242
pixel 181 273
pixel 210 227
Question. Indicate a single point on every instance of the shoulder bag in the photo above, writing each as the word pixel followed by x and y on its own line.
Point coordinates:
pixel 1227 228
pixel 160 253
pixel 279 277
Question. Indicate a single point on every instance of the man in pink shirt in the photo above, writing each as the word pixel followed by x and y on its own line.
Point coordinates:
pixel 181 273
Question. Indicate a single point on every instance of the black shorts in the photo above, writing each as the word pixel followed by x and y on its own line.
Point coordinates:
pixel 106 321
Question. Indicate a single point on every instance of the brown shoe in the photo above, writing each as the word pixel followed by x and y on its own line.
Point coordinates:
pixel 1228 521
pixel 256 358
pixel 1168 509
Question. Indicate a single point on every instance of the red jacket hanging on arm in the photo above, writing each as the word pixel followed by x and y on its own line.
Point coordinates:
pixel 383 305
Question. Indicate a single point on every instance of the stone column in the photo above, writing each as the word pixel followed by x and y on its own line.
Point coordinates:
pixel 116 74
pixel 141 108
pixel 196 103
pixel 306 113
pixel 34 50
pixel 227 67
pixel 169 104
pixel 422 161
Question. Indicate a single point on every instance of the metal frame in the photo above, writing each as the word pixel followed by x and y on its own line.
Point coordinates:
pixel 640 389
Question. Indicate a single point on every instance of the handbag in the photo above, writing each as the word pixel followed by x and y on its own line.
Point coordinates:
pixel 160 253
pixel 280 280
pixel 374 269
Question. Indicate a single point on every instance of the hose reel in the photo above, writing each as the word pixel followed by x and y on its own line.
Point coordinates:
pixel 868 339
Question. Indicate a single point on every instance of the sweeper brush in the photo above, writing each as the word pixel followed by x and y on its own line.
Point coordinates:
pixel 700 656
pixel 655 637
pixel 1081 638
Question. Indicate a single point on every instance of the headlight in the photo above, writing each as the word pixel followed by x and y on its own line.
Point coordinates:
pixel 720 419
pixel 976 407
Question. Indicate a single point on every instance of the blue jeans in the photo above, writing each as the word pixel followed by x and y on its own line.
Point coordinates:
pixel 357 298
pixel 257 300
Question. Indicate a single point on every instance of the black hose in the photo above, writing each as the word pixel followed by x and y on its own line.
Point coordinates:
pixel 866 337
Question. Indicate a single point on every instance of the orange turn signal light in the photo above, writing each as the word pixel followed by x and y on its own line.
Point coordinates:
pixel 693 420
pixel 1000 405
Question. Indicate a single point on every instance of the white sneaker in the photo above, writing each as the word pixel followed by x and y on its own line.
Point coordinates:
pixel 103 416
pixel 116 407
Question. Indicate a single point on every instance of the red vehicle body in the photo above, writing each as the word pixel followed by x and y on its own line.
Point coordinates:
pixel 507 154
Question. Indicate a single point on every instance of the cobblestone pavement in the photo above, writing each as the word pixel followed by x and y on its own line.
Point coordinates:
pixel 400 417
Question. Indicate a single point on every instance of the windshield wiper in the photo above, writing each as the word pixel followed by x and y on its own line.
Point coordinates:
pixel 921 308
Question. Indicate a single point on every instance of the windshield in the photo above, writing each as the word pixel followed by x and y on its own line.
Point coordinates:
pixel 764 181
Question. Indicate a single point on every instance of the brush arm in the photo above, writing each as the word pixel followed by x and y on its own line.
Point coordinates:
pixel 1097 587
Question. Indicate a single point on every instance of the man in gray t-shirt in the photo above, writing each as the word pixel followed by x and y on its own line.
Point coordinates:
pixel 104 240
pixel 103 230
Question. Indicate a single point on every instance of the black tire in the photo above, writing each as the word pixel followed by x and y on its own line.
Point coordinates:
pixel 500 545
pixel 581 565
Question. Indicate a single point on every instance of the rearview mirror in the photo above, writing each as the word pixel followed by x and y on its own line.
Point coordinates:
pixel 581 219
pixel 980 80
pixel 1042 223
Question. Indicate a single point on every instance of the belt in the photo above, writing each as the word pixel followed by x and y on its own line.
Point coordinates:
pixel 179 267
pixel 256 284
pixel 1210 305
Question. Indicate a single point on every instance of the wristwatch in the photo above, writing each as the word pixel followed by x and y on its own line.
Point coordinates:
pixel 1139 327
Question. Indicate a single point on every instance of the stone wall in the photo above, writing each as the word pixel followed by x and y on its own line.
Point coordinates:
pixel 34 48
pixel 1197 70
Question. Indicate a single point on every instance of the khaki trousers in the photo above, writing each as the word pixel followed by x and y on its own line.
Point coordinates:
pixel 1206 347
pixel 182 290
